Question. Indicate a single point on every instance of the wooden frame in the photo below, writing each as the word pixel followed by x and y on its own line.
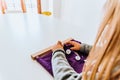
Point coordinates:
pixel 3 6
pixel 23 6
pixel 47 50
pixel 39 6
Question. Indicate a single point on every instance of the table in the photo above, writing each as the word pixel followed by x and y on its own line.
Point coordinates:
pixel 24 34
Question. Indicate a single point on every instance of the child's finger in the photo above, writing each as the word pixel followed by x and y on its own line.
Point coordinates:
pixel 70 42
pixel 73 48
pixel 59 43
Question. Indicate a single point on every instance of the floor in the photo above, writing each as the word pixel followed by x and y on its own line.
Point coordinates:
pixel 22 35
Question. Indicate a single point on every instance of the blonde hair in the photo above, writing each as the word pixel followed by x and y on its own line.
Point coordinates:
pixel 103 62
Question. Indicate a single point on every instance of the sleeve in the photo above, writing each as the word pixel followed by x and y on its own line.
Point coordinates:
pixel 85 48
pixel 61 68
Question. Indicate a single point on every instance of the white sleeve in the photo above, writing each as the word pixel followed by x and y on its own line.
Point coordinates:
pixel 61 68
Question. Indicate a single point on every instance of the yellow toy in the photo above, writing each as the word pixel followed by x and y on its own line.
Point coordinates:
pixel 47 13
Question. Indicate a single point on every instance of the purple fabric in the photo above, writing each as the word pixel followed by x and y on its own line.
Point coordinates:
pixel 45 60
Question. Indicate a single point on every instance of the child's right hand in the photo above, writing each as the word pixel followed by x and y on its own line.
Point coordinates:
pixel 76 45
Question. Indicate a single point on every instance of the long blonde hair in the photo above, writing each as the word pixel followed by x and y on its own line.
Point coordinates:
pixel 103 62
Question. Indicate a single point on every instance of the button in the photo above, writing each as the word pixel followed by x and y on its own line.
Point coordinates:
pixel 68 51
pixel 77 58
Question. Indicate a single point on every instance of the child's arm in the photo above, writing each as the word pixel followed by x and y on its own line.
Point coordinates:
pixel 61 68
pixel 85 48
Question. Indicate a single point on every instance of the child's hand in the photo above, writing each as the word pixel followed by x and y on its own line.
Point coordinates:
pixel 57 46
pixel 76 45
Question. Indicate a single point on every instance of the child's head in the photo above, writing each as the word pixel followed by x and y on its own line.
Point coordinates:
pixel 104 57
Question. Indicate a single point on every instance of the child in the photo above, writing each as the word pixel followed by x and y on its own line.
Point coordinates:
pixel 103 61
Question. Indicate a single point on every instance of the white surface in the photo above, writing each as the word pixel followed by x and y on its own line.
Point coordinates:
pixel 22 35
